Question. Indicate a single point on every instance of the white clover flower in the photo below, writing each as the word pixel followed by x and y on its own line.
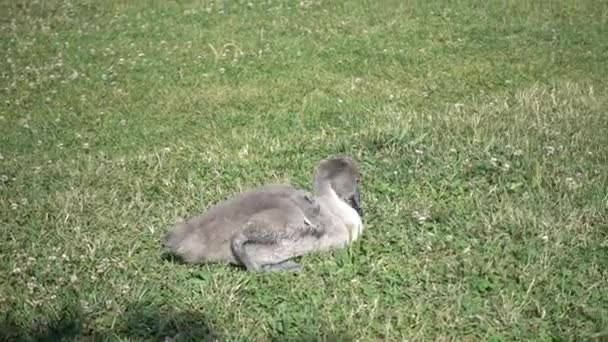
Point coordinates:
pixel 420 217
pixel 572 184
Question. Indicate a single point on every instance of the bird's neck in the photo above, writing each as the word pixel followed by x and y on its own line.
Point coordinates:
pixel 339 208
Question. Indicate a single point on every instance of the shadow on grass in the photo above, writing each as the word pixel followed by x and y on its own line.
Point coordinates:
pixel 315 338
pixel 140 321
pixel 171 258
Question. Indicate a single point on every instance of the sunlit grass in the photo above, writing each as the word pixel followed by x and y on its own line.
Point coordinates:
pixel 480 129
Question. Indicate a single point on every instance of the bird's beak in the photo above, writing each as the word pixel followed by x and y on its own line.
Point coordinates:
pixel 355 202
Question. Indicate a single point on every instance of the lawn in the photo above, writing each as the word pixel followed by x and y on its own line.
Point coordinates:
pixel 480 129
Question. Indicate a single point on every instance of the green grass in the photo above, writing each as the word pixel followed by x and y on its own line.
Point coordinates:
pixel 480 128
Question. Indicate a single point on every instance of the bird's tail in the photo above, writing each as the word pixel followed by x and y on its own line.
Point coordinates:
pixel 172 239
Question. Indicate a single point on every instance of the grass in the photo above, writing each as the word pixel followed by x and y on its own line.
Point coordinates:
pixel 480 129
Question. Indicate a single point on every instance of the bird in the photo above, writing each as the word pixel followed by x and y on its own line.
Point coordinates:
pixel 263 228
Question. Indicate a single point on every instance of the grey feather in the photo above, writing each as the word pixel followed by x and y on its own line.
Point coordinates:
pixel 264 227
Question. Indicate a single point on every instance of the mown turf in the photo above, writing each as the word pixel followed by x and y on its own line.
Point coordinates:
pixel 480 128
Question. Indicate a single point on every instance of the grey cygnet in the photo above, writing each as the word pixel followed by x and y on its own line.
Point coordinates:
pixel 263 228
